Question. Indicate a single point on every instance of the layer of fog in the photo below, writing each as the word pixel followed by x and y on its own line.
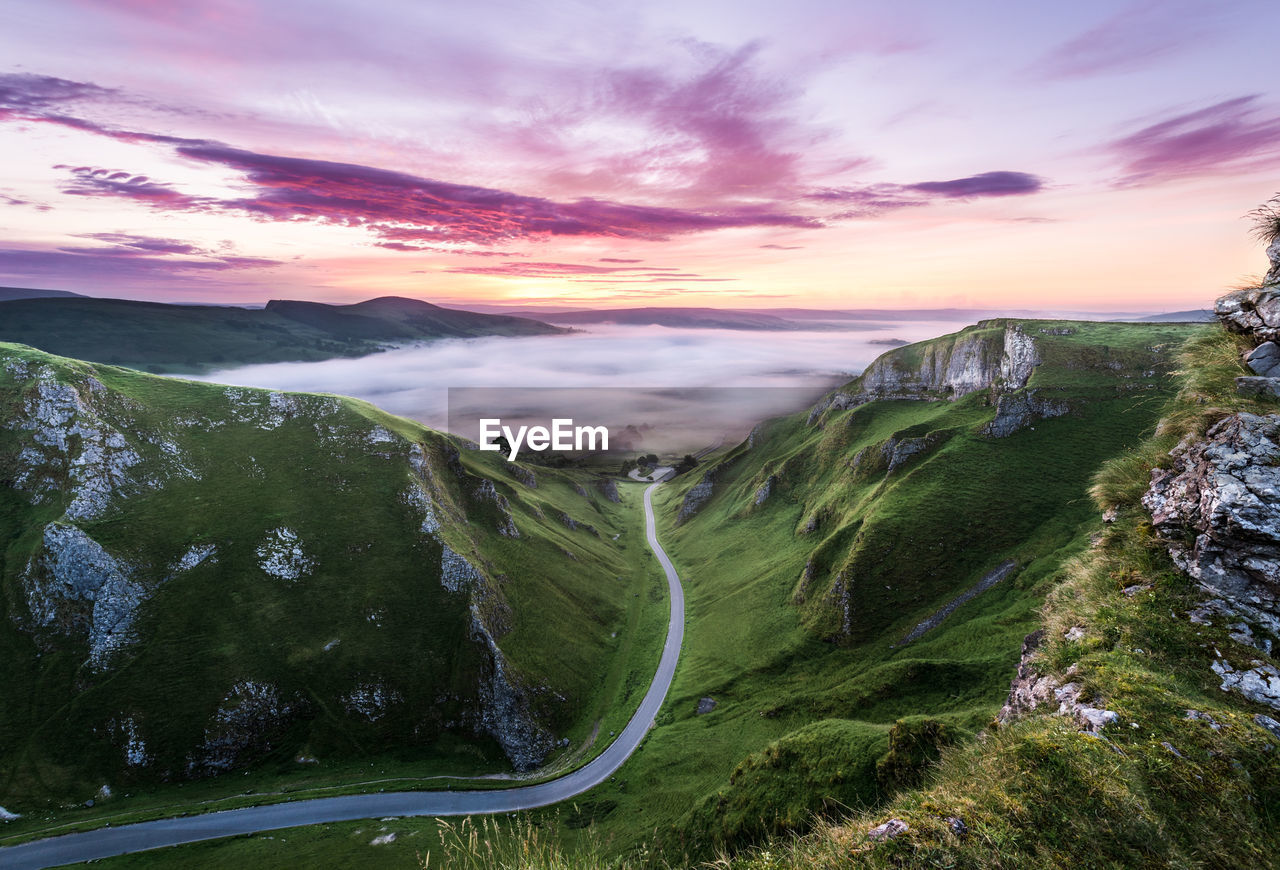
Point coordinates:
pixel 684 388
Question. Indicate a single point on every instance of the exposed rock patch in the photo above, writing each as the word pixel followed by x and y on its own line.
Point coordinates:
pixel 78 588
pixel 250 716
pixel 610 489
pixel 889 830
pixel 766 488
pixel 696 497
pixel 1254 312
pixel 1031 690
pixel 504 713
pixel 506 524
pixel 281 555
pixel 1252 386
pixel 1016 411
pixel 1217 508
pixel 456 573
pixel 1260 682
pixel 370 701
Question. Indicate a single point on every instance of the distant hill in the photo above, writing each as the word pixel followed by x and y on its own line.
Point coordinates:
pixel 1195 315
pixel 9 293
pixel 164 338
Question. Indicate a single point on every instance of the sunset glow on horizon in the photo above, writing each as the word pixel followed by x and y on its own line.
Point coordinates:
pixel 751 155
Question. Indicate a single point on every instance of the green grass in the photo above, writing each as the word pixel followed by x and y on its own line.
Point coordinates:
pixel 579 614
pixel 1162 789
pixel 805 713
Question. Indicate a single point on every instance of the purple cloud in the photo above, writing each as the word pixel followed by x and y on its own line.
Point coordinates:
pixel 1231 136
pixel 1002 183
pixel 88 181
pixel 22 93
pixel 402 208
pixel 115 265
pixel 878 199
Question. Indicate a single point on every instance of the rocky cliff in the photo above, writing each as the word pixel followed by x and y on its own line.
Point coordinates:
pixel 989 356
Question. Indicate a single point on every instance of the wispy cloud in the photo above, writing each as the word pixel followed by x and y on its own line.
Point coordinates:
pixel 878 199
pixel 1236 135
pixel 94 266
pixel 1133 38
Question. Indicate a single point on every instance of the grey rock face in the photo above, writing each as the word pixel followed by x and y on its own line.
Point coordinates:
pixel 504 713
pixel 1273 257
pixel 79 588
pixel 1254 312
pixel 1030 690
pixel 1260 682
pixel 705 706
pixel 281 555
pixel 71 438
pixel 417 497
pixel 610 490
pixel 250 716
pixel 370 701
pixel 1247 386
pixel 1218 510
pixel 507 524
pixel 1015 411
pixel 456 573
pixel 1264 359
pixel 971 364
pixel 766 488
pixel 696 497
pixel 897 452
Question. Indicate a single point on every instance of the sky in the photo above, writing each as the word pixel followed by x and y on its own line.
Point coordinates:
pixel 816 153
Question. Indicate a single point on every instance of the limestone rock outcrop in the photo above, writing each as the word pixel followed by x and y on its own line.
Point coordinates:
pixel 1218 510
pixel 1254 312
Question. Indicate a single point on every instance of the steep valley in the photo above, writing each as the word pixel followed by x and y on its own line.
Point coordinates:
pixel 199 580
pixel 860 577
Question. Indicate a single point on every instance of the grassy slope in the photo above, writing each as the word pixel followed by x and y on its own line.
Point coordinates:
pixel 1171 791
pixel 798 717
pixel 585 625
pixel 190 338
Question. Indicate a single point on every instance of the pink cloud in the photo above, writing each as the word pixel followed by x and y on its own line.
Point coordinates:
pixel 1230 136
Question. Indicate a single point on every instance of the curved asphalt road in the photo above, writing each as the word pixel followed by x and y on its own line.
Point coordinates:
pixel 106 842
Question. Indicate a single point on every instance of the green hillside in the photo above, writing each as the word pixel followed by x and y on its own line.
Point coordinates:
pixel 197 579
pixel 1188 773
pixel 830 536
pixel 188 339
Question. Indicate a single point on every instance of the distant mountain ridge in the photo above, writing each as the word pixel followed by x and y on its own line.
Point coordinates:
pixel 10 293
pixel 182 339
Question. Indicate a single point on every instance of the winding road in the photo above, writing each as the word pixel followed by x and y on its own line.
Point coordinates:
pixel 106 842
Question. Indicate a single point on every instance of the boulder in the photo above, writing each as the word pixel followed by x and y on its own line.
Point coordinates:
pixel 1264 359
pixel 1247 386
pixel 1254 312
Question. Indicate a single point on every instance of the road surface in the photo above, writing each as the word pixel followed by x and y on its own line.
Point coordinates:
pixel 106 842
